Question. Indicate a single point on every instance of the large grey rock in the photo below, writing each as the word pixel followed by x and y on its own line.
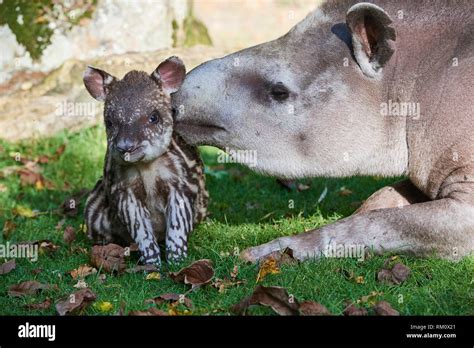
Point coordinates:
pixel 116 27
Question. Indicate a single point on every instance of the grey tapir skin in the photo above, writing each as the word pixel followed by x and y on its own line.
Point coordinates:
pixel 312 102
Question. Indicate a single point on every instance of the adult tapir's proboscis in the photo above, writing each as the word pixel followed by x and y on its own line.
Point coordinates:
pixel 383 88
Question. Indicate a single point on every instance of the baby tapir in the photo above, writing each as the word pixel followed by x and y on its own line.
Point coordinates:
pixel 153 188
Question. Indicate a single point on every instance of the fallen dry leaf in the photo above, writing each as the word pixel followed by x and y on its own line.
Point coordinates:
pixel 31 177
pixel 3 188
pixel 81 284
pixel 7 171
pixel 284 257
pixel 274 297
pixel 289 185
pixel 353 310
pixel 196 274
pixel 268 266
pixel 292 185
pixel 69 234
pixel 8 227
pixel 142 268
pixel 302 187
pixel 75 302
pixel 173 310
pixel 149 312
pixel 7 267
pixel 223 284
pixel 43 159
pixel 313 308
pixel 23 211
pixel 235 272
pixel 400 272
pixel 153 276
pixel 103 307
pixel 44 245
pixel 397 275
pixel 75 249
pixel 40 305
pixel 29 287
pixel 83 228
pixel 109 257
pixel 384 308
pixel 345 192
pixel 59 151
pixel 370 299
pixel 385 276
pixel 171 298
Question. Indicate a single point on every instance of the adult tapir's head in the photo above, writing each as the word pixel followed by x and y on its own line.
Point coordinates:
pixel 308 103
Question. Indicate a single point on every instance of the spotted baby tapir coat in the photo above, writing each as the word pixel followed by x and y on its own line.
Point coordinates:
pixel 153 187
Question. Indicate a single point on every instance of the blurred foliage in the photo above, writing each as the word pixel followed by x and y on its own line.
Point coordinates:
pixel 34 22
pixel 194 32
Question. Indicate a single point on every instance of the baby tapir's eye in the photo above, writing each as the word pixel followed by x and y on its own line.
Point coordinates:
pixel 154 117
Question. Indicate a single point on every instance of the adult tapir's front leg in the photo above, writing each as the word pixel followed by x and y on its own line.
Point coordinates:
pixel 179 224
pixel 136 217
pixel 443 227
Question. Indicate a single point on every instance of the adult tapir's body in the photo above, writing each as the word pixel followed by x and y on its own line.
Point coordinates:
pixel 322 101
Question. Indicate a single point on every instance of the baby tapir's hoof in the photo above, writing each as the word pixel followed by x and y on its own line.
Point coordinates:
pixel 150 255
pixel 175 256
pixel 150 261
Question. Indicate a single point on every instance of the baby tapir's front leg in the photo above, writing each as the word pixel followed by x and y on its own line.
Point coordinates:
pixel 136 217
pixel 179 224
pixel 99 218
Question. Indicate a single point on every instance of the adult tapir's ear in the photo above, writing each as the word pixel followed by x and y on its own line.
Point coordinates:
pixel 97 82
pixel 371 35
pixel 170 74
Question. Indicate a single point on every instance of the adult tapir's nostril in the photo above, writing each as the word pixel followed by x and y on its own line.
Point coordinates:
pixel 125 145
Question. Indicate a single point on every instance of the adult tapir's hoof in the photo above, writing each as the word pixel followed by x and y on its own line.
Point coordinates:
pixel 303 246
pixel 254 254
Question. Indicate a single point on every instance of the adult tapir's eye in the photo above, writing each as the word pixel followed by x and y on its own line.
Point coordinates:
pixel 154 117
pixel 279 91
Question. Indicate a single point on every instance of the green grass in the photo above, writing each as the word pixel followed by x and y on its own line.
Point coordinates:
pixel 246 209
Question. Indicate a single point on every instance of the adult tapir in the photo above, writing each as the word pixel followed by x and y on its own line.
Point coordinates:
pixel 383 88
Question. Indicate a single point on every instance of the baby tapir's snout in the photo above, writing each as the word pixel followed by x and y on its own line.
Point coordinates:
pixel 128 145
pixel 125 145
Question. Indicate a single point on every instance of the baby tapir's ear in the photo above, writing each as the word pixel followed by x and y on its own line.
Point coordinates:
pixel 96 82
pixel 170 74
